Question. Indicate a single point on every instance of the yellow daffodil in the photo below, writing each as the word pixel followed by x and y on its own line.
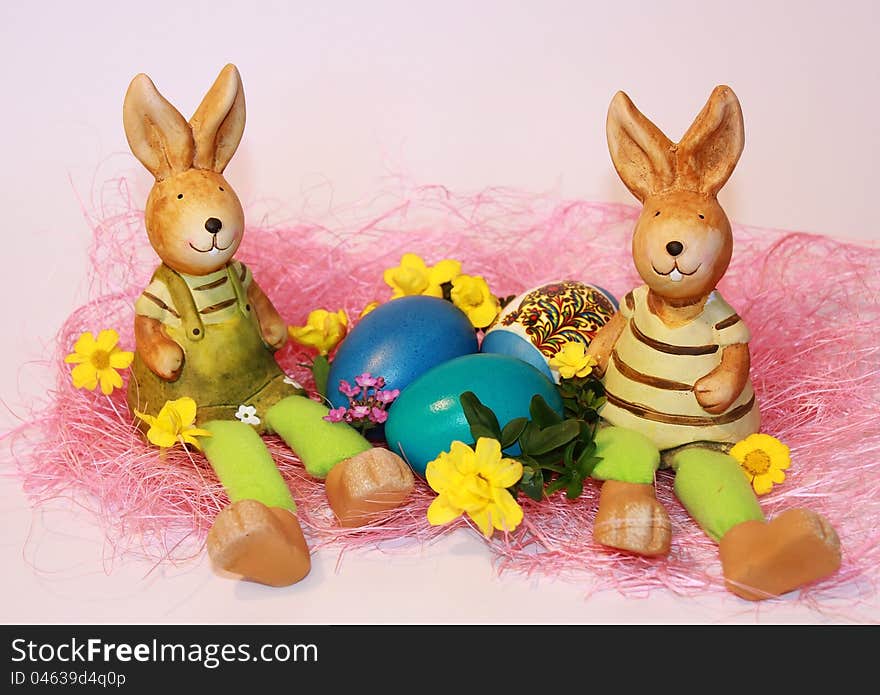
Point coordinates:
pixel 369 308
pixel 475 482
pixel 97 361
pixel 413 277
pixel 471 294
pixel 572 360
pixel 763 459
pixel 174 424
pixel 323 330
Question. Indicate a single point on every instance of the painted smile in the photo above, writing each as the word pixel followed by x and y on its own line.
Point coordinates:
pixel 676 275
pixel 213 247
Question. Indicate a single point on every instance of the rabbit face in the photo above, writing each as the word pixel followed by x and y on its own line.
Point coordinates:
pixel 682 242
pixel 195 221
pixel 682 245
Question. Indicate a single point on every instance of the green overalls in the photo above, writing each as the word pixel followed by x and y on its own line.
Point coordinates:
pixel 228 366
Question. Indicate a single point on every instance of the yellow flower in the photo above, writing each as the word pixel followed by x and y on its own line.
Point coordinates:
pixel 174 424
pixel 763 459
pixel 572 360
pixel 412 276
pixel 369 308
pixel 323 330
pixel 471 294
pixel 475 483
pixel 97 361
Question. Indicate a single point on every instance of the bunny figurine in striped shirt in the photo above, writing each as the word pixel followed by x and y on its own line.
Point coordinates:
pixel 205 331
pixel 675 360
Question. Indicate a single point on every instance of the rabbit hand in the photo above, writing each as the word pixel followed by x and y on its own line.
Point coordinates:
pixel 717 391
pixel 272 326
pixel 160 353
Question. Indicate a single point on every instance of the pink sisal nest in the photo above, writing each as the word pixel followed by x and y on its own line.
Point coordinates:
pixel 816 370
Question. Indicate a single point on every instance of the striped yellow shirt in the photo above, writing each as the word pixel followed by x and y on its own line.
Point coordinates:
pixel 213 294
pixel 653 368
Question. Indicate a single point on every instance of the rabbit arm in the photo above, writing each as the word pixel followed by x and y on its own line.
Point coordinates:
pixel 604 340
pixel 160 353
pixel 272 326
pixel 717 391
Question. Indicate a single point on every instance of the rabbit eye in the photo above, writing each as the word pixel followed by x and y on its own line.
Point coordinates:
pixel 222 189
pixel 701 216
pixel 179 196
pixel 656 213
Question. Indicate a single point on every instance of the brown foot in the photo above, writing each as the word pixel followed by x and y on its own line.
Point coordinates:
pixel 762 560
pixel 262 544
pixel 630 518
pixel 362 487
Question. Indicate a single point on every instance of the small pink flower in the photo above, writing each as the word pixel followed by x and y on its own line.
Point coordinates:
pixel 378 415
pixel 380 382
pixel 359 412
pixel 386 397
pixel 347 389
pixel 366 380
pixel 336 415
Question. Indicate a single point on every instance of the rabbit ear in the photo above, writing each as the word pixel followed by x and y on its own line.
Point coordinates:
pixel 218 123
pixel 711 147
pixel 157 134
pixel 640 152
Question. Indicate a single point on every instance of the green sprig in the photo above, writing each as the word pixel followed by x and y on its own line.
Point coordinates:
pixel 557 453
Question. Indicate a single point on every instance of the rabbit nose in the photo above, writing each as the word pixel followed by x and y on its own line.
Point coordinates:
pixel 213 225
pixel 674 248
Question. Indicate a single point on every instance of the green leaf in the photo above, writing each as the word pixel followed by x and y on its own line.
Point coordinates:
pixel 532 483
pixel 586 465
pixel 554 437
pixel 321 371
pixel 525 437
pixel 478 431
pixel 575 488
pixel 542 414
pixel 556 486
pixel 512 430
pixel 481 419
pixel 568 454
pixel 588 446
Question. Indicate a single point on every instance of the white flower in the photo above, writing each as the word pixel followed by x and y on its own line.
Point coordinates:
pixel 247 414
pixel 292 382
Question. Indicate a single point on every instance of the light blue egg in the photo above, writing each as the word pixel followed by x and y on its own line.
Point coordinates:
pixel 401 340
pixel 427 416
pixel 504 342
pixel 536 324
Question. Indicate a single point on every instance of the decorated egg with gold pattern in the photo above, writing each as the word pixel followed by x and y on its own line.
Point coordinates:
pixel 535 325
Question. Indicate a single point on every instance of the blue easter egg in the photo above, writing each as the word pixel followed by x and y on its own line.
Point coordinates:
pixel 536 324
pixel 401 340
pixel 427 416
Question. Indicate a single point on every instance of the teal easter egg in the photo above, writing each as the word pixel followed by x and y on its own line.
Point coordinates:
pixel 427 416
pixel 401 340
pixel 536 324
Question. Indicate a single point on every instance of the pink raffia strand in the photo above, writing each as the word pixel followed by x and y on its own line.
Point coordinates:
pixel 812 304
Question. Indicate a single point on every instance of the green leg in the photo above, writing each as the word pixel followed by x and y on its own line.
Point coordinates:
pixel 627 456
pixel 319 444
pixel 243 464
pixel 713 489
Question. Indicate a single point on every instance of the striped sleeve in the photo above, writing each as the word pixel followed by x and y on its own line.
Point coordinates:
pixel 155 302
pixel 731 330
pixel 627 306
pixel 244 274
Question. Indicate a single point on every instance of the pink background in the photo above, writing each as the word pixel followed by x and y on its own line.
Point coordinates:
pixel 341 96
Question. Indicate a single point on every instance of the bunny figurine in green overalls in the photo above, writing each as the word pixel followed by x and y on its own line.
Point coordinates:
pixel 204 329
